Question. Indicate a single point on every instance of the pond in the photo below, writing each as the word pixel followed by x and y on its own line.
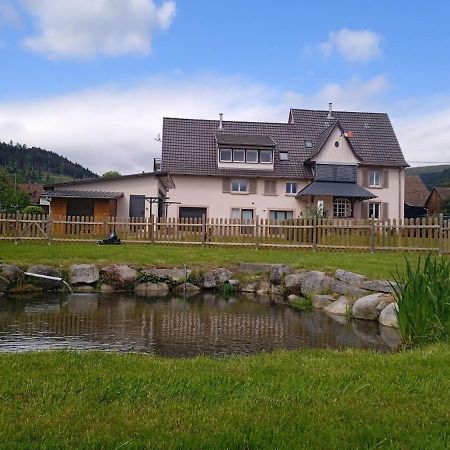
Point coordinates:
pixel 204 324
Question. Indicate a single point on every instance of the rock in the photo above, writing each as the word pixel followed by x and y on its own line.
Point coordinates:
pixel 152 289
pixel 190 288
pixel 343 288
pixel 369 307
pixel 353 279
pixel 278 272
pixel 119 276
pixel 390 336
pixel 294 298
pixel 340 307
pixel 322 301
pixel 84 288
pixel 4 283
pixel 263 288
pixel 25 288
pixel 293 282
pixel 256 284
pixel 173 274
pixel 234 283
pixel 254 267
pixel 83 274
pixel 46 285
pixel 315 282
pixel 106 289
pixel 378 286
pixel 276 291
pixel 388 316
pixel 215 278
pixel 11 272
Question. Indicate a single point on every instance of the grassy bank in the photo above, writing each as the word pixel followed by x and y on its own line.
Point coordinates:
pixel 376 265
pixel 305 399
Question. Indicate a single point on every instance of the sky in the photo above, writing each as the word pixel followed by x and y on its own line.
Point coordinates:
pixel 93 79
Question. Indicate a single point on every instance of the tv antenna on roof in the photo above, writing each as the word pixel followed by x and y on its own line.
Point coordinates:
pixel 158 138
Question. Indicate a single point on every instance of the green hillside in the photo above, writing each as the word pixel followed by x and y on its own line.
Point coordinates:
pixel 432 175
pixel 38 165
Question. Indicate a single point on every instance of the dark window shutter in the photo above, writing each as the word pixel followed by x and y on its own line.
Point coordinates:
pixel 385 210
pixel 270 187
pixel 252 186
pixel 226 185
pixel 365 178
pixel 385 178
pixel 364 210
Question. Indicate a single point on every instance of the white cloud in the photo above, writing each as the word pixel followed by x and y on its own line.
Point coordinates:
pixel 9 16
pixel 352 45
pixel 86 28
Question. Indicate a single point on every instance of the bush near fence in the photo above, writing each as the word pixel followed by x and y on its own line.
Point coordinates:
pixel 430 234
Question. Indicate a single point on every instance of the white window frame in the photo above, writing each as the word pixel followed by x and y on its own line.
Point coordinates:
pixel 373 178
pixel 285 211
pixel 285 156
pixel 342 208
pixel 374 205
pixel 268 152
pixel 289 186
pixel 235 150
pixel 246 156
pixel 240 182
pixel 226 160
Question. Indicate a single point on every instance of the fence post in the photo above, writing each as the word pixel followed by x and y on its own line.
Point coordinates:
pixel 50 229
pixel 372 234
pixel 16 229
pixel 203 230
pixel 441 235
pixel 152 224
pixel 257 232
pixel 314 236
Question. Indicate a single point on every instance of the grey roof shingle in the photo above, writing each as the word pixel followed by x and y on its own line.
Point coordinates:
pixel 190 147
pixel 69 193
pixel 245 139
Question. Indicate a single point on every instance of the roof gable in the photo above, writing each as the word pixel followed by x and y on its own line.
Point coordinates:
pixel 416 193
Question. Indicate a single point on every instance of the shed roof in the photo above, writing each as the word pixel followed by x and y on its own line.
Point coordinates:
pixel 70 193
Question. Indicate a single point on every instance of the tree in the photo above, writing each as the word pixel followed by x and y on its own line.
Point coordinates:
pixel 445 206
pixel 11 197
pixel 111 173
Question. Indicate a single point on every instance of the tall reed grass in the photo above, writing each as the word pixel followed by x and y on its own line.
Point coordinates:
pixel 423 297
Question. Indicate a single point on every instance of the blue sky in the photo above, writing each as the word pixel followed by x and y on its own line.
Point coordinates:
pixel 93 79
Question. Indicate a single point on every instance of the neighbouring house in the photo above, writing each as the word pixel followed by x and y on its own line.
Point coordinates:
pixel 416 194
pixel 434 200
pixel 346 164
pixel 137 195
pixel 35 191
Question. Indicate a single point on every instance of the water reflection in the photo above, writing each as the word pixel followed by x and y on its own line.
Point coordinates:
pixel 204 324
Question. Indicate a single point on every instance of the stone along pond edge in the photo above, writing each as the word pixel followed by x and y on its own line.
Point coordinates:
pixel 343 293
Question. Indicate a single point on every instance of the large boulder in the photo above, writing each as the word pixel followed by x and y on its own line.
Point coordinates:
pixel 340 307
pixel 370 306
pixel 11 272
pixel 390 336
pixel 176 274
pixel 322 301
pixel 151 289
pixel 315 282
pixel 46 285
pixel 353 279
pixel 83 274
pixel 388 316
pixel 215 278
pixel 187 288
pixel 119 276
pixel 378 286
pixel 340 287
pixel 293 282
pixel 278 272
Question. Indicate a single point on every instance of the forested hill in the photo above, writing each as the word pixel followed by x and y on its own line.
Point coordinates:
pixel 39 165
pixel 432 175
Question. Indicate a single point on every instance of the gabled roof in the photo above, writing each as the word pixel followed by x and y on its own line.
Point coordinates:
pixel 34 190
pixel 416 193
pixel 69 193
pixel 443 191
pixel 190 146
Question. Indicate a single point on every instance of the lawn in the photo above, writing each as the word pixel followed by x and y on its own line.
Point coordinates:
pixel 374 265
pixel 302 399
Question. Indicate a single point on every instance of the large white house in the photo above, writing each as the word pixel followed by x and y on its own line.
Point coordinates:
pixel 348 164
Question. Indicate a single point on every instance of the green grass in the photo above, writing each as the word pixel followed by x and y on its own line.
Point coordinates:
pixel 310 399
pixel 376 265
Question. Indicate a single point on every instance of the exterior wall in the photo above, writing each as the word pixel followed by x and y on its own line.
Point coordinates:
pixel 331 154
pixel 101 208
pixel 206 192
pixel 433 203
pixel 148 186
pixel 58 207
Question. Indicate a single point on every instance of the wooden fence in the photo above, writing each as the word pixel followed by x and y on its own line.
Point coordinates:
pixel 431 234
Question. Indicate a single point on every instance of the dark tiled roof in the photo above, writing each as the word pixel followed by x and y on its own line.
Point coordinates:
pixel 244 139
pixel 34 190
pixel 416 193
pixel 350 190
pixel 69 193
pixel 190 147
pixel 443 191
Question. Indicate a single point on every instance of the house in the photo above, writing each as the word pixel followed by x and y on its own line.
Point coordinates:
pixel 416 194
pixel 137 195
pixel 35 191
pixel 346 164
pixel 434 200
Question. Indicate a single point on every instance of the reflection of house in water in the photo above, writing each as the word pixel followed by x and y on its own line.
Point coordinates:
pixel 174 328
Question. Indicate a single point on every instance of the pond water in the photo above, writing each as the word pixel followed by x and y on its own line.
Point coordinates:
pixel 204 324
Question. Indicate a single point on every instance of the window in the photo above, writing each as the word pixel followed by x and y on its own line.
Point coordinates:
pixel 342 207
pixel 241 214
pixel 291 188
pixel 239 186
pixel 270 187
pixel 280 215
pixel 252 156
pixel 374 210
pixel 374 178
pixel 225 155
pixel 238 155
pixel 265 156
pixel 309 144
pixel 284 156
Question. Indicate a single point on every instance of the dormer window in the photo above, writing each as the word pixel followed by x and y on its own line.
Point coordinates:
pixel 252 156
pixel 265 156
pixel 248 156
pixel 226 155
pixel 238 155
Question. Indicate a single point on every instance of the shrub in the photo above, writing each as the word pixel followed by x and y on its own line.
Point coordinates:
pixel 33 210
pixel 423 297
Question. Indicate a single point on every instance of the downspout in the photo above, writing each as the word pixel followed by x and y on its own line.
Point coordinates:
pixel 400 200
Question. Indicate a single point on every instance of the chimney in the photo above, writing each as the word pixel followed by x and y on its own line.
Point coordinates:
pixel 220 121
pixel 330 111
